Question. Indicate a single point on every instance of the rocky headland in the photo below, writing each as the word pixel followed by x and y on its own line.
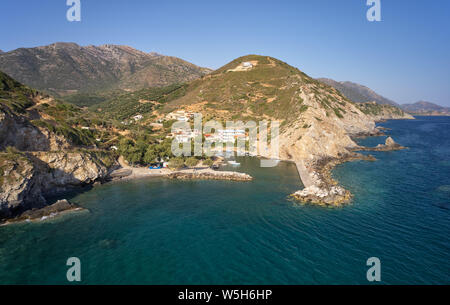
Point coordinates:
pixel 321 188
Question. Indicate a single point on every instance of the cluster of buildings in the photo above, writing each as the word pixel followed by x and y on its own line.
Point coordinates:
pixel 184 135
pixel 222 135
pixel 226 135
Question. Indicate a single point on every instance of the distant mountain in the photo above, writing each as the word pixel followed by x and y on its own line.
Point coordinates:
pixel 358 93
pixel 1 52
pixel 427 108
pixel 67 68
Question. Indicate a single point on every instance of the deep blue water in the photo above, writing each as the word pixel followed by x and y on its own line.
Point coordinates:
pixel 157 231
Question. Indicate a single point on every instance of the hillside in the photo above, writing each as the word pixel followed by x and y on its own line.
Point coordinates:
pixel 426 108
pixel 67 68
pixel 125 105
pixel 270 89
pixel 358 93
pixel 317 121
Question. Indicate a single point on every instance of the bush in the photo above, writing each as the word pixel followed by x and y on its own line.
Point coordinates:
pixel 176 163
pixel 208 162
pixel 192 161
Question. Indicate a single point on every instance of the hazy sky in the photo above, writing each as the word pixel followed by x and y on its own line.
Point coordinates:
pixel 406 57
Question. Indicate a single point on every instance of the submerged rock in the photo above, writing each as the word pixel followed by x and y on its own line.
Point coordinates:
pixel 50 211
pixel 444 188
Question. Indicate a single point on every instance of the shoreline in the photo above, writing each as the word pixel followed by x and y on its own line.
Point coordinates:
pixel 321 188
pixel 63 206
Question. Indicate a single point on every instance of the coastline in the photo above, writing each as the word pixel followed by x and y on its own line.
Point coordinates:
pixel 316 175
pixel 321 188
pixel 123 174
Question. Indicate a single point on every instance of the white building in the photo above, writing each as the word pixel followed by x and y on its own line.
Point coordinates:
pixel 138 117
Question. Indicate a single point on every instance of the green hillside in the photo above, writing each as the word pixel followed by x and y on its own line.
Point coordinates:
pixel 271 89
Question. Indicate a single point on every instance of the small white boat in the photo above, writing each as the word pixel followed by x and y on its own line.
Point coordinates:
pixel 234 163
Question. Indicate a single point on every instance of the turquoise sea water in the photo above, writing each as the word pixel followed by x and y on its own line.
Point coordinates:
pixel 157 231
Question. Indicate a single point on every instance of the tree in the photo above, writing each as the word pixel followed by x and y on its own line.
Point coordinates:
pixel 124 146
pixel 151 155
pixel 134 156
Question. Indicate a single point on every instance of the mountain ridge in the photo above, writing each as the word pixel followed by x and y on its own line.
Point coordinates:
pixel 66 68
pixel 424 107
pixel 358 93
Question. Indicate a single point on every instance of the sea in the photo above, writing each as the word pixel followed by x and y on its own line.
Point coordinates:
pixel 158 231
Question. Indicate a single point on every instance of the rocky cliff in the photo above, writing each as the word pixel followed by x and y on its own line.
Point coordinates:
pixel 28 178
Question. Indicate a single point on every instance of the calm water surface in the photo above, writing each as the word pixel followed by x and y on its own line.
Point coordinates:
pixel 157 231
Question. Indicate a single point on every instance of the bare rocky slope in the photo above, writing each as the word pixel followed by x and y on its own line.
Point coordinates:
pixel 67 68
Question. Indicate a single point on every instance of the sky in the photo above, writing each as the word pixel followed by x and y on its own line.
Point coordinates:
pixel 404 57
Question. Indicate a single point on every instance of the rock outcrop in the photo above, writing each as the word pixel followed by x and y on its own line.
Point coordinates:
pixel 47 212
pixel 390 145
pixel 61 171
pixel 19 185
pixel 28 178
